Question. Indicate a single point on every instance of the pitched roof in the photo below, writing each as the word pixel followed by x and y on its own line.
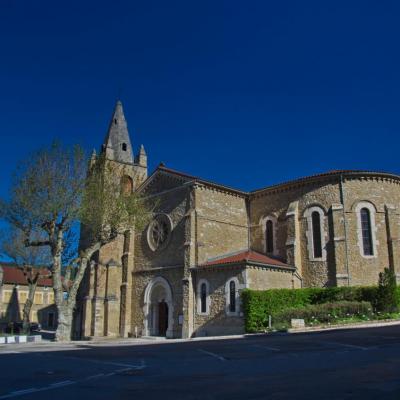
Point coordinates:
pixel 328 174
pixel 13 275
pixel 283 185
pixel 163 169
pixel 248 257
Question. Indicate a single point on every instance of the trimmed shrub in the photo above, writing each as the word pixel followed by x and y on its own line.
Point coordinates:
pixel 258 305
pixel 387 300
pixel 325 313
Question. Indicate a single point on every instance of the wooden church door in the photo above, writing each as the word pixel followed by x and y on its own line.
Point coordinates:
pixel 162 318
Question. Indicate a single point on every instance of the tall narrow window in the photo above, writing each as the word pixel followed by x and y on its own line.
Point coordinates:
pixel 269 236
pixel 124 147
pixel 232 296
pixel 203 298
pixel 366 232
pixel 316 234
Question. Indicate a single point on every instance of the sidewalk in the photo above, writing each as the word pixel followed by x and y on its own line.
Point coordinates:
pixel 106 342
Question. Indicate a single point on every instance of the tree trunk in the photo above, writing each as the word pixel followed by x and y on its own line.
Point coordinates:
pixel 64 327
pixel 27 308
pixel 1 284
pixel 66 307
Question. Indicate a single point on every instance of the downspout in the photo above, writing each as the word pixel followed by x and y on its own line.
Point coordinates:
pixel 342 195
pixel 297 275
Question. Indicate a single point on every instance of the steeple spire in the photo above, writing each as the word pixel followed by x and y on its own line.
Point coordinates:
pixel 117 144
pixel 141 158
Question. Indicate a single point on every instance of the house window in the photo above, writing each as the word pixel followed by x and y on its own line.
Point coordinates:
pixel 269 236
pixel 232 297
pixel 22 296
pixel 7 296
pixel 124 146
pixel 316 231
pixel 34 316
pixel 50 298
pixel 38 298
pixel 366 232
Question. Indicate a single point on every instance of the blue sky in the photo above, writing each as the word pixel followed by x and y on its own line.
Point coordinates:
pixel 243 93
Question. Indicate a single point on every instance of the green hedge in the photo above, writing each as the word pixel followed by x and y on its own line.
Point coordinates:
pixel 258 305
pixel 325 313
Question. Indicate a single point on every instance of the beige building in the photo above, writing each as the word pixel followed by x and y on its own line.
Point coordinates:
pixel 14 293
pixel 182 276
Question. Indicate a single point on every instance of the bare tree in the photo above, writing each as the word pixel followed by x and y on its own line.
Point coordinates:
pixel 34 262
pixel 52 192
pixel 1 279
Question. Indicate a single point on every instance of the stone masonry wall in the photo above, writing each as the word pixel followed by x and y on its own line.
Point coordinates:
pixel 168 262
pixel 221 223
pixel 383 194
pixel 261 278
pixel 218 322
pixel 323 194
pixel 380 193
pixel 140 281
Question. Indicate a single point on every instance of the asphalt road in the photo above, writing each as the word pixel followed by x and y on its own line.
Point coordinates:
pixel 349 364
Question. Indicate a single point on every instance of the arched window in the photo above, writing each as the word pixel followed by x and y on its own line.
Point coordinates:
pixel 124 147
pixel 366 232
pixel 269 236
pixel 316 234
pixel 126 185
pixel 232 297
pixel 203 298
pixel 366 229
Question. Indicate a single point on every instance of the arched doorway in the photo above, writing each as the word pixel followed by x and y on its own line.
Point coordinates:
pixel 158 308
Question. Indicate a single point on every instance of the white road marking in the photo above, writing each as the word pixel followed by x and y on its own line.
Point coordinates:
pixel 351 346
pixel 30 390
pixel 118 371
pixel 63 383
pixel 56 385
pixel 117 364
pixel 93 377
pixel 266 347
pixel 212 354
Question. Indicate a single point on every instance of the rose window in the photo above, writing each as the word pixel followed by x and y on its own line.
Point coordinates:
pixel 159 232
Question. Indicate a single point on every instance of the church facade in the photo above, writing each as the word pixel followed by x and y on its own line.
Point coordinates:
pixel 182 276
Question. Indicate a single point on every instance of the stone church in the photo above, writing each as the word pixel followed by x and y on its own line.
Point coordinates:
pixel 182 276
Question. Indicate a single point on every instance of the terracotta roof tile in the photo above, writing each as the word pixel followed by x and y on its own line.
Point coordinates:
pixel 248 256
pixel 13 275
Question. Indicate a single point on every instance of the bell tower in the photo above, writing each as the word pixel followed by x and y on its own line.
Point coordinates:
pixel 106 308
